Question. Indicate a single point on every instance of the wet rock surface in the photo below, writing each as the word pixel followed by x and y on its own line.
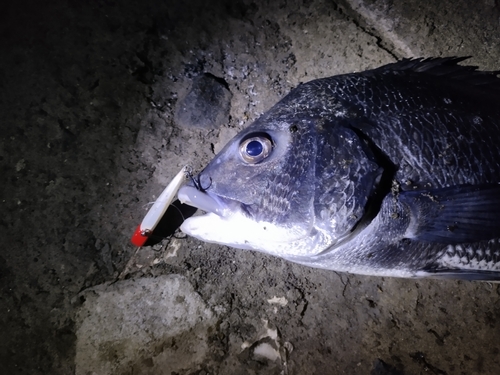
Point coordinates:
pixel 88 96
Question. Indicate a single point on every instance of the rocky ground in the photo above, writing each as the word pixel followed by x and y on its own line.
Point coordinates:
pixel 95 122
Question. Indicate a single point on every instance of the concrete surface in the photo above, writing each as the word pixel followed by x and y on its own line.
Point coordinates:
pixel 89 93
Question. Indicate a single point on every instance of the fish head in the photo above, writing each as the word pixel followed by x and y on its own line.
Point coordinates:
pixel 281 186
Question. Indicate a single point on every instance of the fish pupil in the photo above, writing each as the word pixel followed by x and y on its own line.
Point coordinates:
pixel 254 148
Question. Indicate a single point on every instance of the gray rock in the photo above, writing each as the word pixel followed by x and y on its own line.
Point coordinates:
pixel 122 326
pixel 206 105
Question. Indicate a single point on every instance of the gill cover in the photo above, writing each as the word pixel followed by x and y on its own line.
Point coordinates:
pixel 346 178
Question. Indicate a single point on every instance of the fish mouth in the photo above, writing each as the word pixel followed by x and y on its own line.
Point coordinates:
pixel 228 222
pixel 203 200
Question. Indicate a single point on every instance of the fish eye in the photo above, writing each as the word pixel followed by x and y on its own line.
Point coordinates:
pixel 255 149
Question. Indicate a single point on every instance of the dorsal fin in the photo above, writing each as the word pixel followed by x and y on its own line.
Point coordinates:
pixel 448 68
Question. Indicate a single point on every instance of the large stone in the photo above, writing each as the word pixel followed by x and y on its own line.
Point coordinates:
pixel 206 105
pixel 152 325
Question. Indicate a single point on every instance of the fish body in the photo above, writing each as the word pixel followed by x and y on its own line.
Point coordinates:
pixel 393 171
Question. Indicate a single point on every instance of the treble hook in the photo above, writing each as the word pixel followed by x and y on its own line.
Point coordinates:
pixel 196 181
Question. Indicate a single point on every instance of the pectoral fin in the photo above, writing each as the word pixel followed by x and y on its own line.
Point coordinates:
pixel 461 214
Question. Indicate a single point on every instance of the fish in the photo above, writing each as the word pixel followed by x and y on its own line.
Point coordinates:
pixel 393 171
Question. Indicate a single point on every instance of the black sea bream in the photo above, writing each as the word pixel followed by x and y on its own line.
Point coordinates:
pixel 393 172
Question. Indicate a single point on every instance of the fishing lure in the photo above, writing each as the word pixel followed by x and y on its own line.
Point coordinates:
pixel 160 206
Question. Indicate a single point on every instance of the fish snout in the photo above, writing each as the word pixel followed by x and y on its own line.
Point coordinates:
pixel 195 194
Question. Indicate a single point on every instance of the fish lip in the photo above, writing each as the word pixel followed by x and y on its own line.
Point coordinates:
pixel 203 200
